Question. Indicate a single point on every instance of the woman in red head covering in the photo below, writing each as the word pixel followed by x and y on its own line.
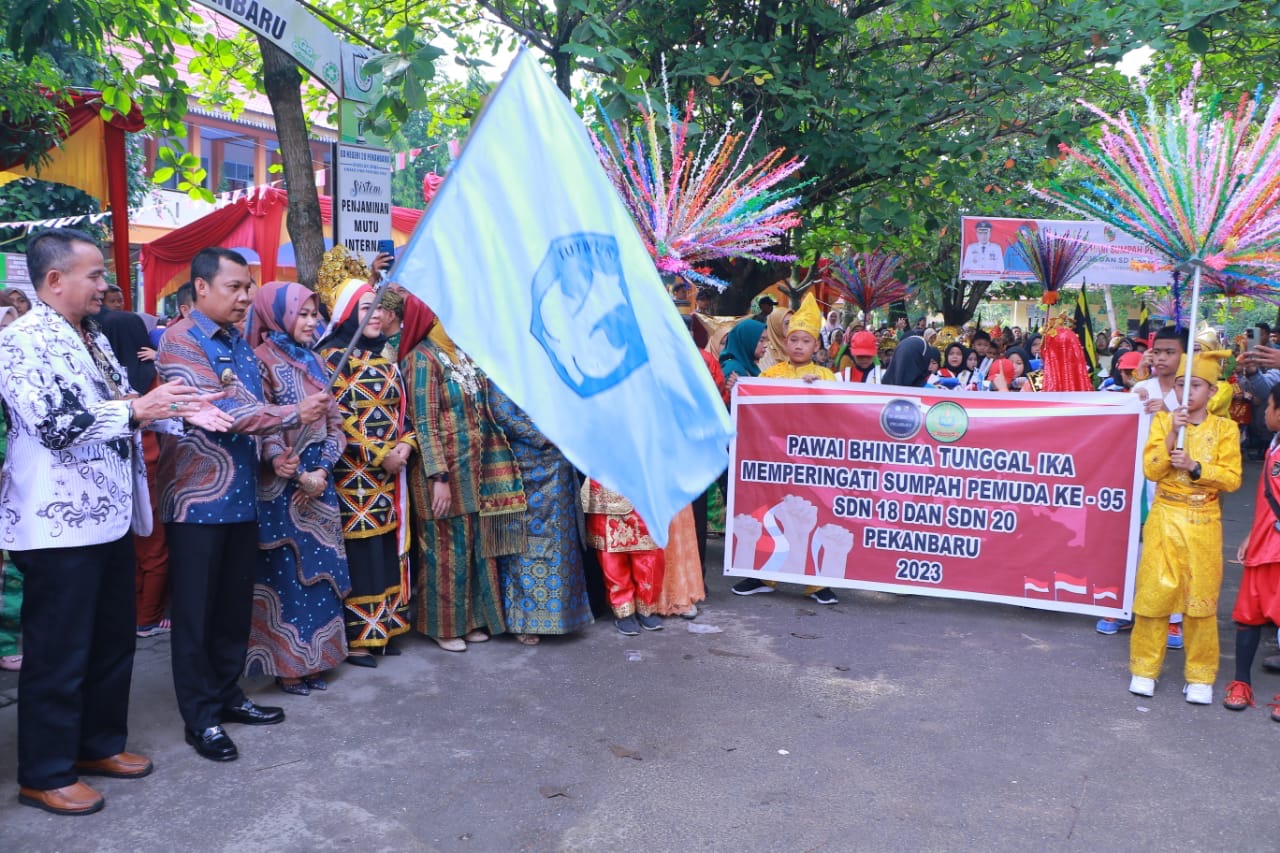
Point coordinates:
pixel 302 577
pixel 467 493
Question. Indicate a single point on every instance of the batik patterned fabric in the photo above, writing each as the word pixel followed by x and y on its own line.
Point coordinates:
pixel 298 627
pixel 458 587
pixel 211 477
pixel 544 590
pixel 73 463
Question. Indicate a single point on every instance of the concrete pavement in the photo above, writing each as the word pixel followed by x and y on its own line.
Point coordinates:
pixel 882 723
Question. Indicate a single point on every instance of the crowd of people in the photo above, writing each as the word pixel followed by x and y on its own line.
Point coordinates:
pixel 283 480
pixel 286 480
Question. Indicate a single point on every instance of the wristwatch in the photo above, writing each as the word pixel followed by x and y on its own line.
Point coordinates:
pixel 1195 472
pixel 442 477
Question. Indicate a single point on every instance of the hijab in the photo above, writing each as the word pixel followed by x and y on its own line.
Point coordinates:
pixel 441 339
pixel 910 364
pixel 964 357
pixel 739 352
pixel 276 307
pixel 346 319
pixel 1026 358
pixel 418 321
pixel 777 350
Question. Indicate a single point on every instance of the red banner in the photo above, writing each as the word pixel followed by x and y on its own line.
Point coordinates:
pixel 1028 499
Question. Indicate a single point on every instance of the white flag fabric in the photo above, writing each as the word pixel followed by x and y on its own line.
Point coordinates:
pixel 530 259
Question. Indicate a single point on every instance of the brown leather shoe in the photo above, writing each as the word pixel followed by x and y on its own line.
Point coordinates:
pixel 123 765
pixel 74 799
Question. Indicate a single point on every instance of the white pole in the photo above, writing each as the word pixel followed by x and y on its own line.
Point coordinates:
pixel 1111 312
pixel 1192 317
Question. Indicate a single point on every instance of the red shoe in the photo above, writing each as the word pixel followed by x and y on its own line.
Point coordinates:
pixel 1239 696
pixel 1275 707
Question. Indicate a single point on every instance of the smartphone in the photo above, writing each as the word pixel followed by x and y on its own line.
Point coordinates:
pixel 386 247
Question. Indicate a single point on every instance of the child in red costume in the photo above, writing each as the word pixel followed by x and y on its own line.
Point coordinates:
pixel 632 562
pixel 1258 602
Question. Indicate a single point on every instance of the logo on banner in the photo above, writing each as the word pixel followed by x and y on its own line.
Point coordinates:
pixel 582 314
pixel 900 419
pixel 946 421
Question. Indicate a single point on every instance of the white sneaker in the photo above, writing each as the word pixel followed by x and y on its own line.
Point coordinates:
pixel 1199 694
pixel 1140 686
pixel 691 613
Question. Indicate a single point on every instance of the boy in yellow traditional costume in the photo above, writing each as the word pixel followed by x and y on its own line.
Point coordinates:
pixel 802 341
pixel 803 337
pixel 1181 564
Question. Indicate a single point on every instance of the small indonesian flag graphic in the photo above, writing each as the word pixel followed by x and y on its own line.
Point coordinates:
pixel 1030 585
pixel 1070 583
pixel 1101 593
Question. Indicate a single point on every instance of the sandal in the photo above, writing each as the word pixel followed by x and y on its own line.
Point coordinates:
pixel 528 639
pixel 297 688
pixel 11 663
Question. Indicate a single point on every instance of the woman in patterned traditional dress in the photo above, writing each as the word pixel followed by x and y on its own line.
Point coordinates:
pixel 298 628
pixel 369 476
pixel 467 491
pixel 544 590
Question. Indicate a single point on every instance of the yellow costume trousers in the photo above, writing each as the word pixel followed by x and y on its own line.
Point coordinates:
pixel 808 590
pixel 1148 642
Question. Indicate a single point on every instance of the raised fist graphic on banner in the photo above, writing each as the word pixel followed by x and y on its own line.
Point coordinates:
pixel 831 546
pixel 789 523
pixel 746 534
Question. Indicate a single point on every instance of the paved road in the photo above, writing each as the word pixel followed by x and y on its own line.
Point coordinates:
pixel 882 723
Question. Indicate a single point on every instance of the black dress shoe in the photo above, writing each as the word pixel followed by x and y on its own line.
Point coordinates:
pixel 363 660
pixel 213 744
pixel 252 715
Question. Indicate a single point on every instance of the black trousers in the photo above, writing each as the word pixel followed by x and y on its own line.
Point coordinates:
pixel 211 572
pixel 77 658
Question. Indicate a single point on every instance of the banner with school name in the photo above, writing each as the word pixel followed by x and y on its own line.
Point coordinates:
pixel 1016 498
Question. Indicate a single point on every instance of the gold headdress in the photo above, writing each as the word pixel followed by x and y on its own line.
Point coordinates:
pixel 337 266
pixel 808 318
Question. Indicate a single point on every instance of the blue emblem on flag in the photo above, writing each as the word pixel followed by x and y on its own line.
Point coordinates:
pixel 582 314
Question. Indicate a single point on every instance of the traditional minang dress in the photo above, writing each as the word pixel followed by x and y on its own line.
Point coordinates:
pixel 458 587
pixel 632 562
pixel 371 400
pixel 298 627
pixel 544 590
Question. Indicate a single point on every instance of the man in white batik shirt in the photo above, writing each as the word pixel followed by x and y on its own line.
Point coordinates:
pixel 72 477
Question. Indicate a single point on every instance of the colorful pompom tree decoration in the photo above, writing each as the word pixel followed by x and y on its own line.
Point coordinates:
pixel 696 204
pixel 1054 259
pixel 1198 184
pixel 866 280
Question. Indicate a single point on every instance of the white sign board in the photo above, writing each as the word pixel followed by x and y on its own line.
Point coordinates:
pixel 989 251
pixel 362 210
pixel 13 273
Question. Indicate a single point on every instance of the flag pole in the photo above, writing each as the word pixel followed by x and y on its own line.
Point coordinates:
pixel 1191 343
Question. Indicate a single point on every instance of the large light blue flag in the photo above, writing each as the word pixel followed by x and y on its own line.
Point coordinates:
pixel 533 264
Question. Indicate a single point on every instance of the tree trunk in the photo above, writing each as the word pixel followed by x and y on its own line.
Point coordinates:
pixel 746 279
pixel 283 83
pixel 960 300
